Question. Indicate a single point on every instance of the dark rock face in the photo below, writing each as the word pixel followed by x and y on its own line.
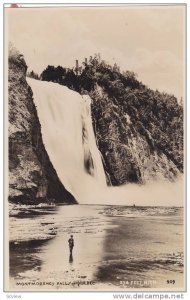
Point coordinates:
pixel 32 177
pixel 129 150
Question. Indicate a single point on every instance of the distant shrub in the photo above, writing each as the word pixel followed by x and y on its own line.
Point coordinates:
pixel 32 74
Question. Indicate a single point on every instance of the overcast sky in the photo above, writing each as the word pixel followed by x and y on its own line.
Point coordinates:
pixel 147 40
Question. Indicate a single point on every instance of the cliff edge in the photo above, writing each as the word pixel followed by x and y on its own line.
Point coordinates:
pixel 32 177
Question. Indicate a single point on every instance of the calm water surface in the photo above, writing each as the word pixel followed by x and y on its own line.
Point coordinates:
pixel 116 247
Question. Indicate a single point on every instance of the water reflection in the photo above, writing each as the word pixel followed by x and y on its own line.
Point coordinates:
pixel 123 259
pixel 71 258
pixel 24 256
pixel 108 242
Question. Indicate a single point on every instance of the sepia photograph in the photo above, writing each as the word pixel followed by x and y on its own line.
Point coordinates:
pixel 95 100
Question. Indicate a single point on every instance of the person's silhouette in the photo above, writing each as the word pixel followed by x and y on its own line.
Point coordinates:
pixel 71 244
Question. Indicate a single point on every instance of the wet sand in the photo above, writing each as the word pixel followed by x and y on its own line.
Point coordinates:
pixel 116 248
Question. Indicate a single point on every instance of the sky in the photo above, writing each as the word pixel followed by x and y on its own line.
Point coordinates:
pixel 149 40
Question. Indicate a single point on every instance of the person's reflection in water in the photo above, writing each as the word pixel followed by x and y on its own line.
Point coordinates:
pixel 71 258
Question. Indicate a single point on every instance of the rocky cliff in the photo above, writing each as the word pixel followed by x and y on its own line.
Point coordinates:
pixel 130 151
pixel 32 177
pixel 139 131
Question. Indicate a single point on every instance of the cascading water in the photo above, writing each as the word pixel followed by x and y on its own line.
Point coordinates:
pixel 69 139
pixel 92 157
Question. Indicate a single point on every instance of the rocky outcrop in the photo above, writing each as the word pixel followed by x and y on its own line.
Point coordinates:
pixel 130 151
pixel 32 177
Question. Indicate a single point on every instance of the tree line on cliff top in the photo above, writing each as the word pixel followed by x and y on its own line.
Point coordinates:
pixel 157 112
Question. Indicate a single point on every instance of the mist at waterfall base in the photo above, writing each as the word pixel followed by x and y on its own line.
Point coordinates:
pixel 69 139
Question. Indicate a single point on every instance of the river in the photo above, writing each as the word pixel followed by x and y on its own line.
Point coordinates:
pixel 116 248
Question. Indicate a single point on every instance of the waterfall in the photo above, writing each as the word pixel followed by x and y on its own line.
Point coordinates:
pixel 69 139
pixel 92 156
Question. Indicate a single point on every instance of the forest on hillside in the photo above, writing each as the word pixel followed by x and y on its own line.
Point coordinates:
pixel 155 115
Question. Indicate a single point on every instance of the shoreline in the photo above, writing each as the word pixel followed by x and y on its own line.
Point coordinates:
pixel 107 247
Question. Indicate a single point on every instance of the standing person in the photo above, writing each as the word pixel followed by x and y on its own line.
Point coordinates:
pixel 71 244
